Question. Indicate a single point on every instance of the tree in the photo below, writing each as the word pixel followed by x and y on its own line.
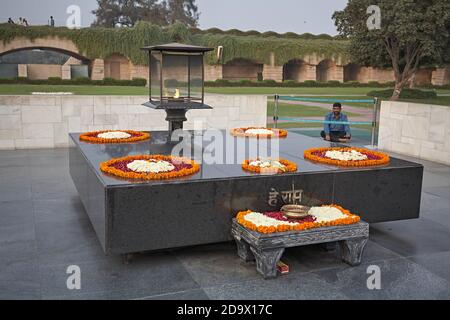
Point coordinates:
pixel 184 11
pixel 112 13
pixel 413 33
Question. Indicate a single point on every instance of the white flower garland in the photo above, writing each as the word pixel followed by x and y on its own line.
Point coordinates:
pixel 150 166
pixel 259 132
pixel 352 155
pixel 267 164
pixel 322 214
pixel 114 135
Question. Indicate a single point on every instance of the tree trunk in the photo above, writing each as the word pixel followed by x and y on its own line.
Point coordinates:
pixel 397 91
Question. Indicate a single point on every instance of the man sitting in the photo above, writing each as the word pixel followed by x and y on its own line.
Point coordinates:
pixel 336 132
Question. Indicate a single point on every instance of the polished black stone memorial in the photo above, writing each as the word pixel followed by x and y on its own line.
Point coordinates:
pixel 134 216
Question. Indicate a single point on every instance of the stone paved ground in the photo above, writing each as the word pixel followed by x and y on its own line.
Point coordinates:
pixel 44 229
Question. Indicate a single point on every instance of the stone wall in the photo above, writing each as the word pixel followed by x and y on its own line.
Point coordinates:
pixel 418 130
pixel 28 122
pixel 44 71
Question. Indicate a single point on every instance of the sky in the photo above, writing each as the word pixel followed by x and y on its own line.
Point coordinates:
pixel 298 16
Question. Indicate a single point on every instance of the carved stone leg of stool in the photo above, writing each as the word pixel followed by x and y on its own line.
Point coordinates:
pixel 266 261
pixel 244 251
pixel 127 258
pixel 352 250
pixel 329 246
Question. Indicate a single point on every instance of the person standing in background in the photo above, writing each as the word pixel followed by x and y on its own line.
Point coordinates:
pixel 51 22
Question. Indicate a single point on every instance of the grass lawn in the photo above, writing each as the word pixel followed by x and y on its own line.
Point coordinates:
pixel 289 110
pixel 353 104
pixel 293 125
pixel 329 92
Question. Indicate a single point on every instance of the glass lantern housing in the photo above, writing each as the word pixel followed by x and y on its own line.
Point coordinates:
pixel 176 80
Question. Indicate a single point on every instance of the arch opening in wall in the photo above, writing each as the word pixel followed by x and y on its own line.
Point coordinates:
pixel 43 63
pixel 117 67
pixel 324 70
pixel 242 69
pixel 296 70
pixel 351 72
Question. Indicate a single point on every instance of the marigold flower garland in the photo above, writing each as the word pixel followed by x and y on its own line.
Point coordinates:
pixel 117 167
pixel 242 132
pixel 92 137
pixel 375 158
pixel 349 219
pixel 289 167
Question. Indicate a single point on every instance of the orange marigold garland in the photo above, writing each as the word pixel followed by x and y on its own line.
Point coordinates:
pixel 183 167
pixel 349 219
pixel 242 132
pixel 289 167
pixel 92 137
pixel 375 158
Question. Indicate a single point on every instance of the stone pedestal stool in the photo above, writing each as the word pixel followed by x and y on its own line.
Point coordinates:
pixel 267 249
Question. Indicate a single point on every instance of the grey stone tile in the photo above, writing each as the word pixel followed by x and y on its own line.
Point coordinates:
pixel 14 170
pixel 215 265
pixel 15 191
pixel 314 258
pixel 16 212
pixel 58 209
pixel 400 279
pixel 19 277
pixel 443 192
pixel 435 180
pixel 437 263
pixel 148 275
pixel 289 287
pixel 433 202
pixel 411 237
pixel 191 295
pixel 50 172
pixel 52 189
pixel 16 233
pixel 441 216
pixel 67 242
pixel 13 158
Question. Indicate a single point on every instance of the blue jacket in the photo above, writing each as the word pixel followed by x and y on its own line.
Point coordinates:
pixel 336 127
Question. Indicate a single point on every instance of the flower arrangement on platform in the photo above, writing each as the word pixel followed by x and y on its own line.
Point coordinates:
pixel 347 157
pixel 269 166
pixel 255 132
pixel 114 136
pixel 150 167
pixel 273 222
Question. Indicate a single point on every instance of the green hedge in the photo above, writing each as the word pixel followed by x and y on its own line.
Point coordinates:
pixel 405 94
pixel 136 82
pixel 98 42
pixel 294 84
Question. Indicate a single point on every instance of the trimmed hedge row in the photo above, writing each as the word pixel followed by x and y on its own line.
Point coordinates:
pixel 405 94
pixel 287 35
pixel 136 82
pixel 294 84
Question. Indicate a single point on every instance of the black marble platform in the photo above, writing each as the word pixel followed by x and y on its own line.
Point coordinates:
pixel 135 216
